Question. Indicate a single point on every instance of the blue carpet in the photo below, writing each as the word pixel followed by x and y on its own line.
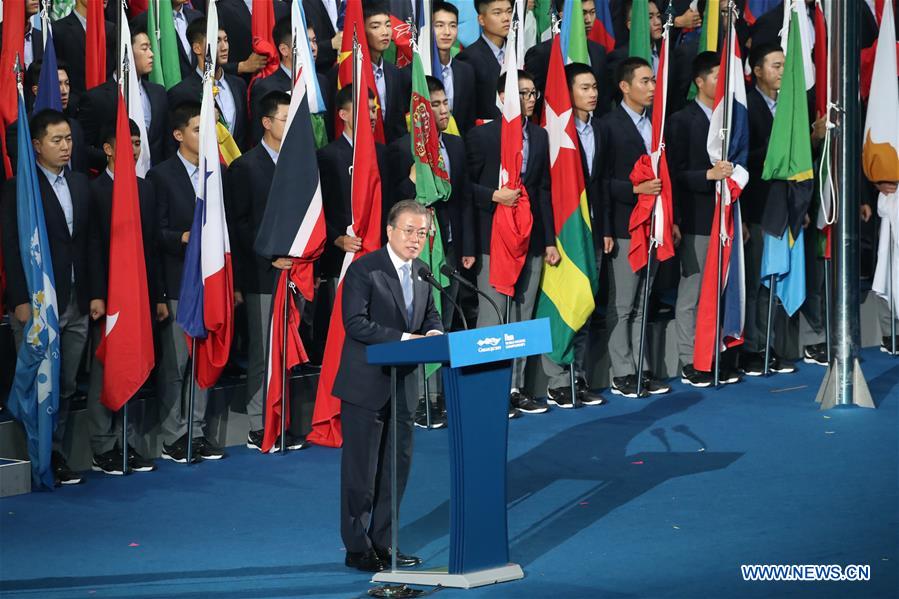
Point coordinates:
pixel 664 497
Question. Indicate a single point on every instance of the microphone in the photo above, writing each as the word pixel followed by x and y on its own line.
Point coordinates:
pixel 452 273
pixel 426 275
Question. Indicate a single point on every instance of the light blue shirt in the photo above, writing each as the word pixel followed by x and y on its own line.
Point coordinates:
pixel 381 84
pixel 525 147
pixel 447 73
pixel 588 141
pixel 249 4
pixel 643 125
pixel 82 20
pixel 498 53
pixel 705 109
pixel 193 171
pixel 63 195
pixel 272 153
pixel 226 102
pixel 181 29
pixel 772 104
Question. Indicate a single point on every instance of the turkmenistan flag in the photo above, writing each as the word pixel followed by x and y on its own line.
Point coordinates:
pixel 574 35
pixel 567 289
pixel 164 44
pixel 639 43
pixel 431 178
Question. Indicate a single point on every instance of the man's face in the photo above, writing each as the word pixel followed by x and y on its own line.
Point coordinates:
pixel 771 71
pixel 274 124
pixel 496 18
pixel 440 106
pixel 446 29
pixel 408 237
pixel 584 92
pixel 222 48
pixel 378 32
pixel 527 91
pixel 642 88
pixel 313 42
pixel 31 7
pixel 135 146
pixel 143 55
pixel 64 87
pixel 189 136
pixel 54 148
pixel 589 7
pixel 346 114
pixel 178 3
pixel 708 84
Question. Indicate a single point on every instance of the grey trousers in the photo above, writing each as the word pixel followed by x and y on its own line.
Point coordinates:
pixel 521 308
pixel 258 322
pixel 692 253
pixel 883 316
pixel 624 315
pixel 175 380
pixel 557 374
pixel 105 425
pixel 72 341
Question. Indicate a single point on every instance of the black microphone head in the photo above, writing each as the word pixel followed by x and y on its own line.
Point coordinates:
pixel 447 270
pixel 424 272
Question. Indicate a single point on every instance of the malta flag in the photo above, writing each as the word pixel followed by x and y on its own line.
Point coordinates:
pixel 293 225
pixel 512 225
pixel 366 201
pixel 652 219
pixel 127 347
pixel 880 153
pixel 206 306
pixel 603 31
pixel 354 25
pixel 95 46
pixel 730 121
pixel 567 289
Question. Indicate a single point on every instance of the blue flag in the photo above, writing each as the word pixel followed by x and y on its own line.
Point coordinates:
pixel 34 397
pixel 48 84
pixel 784 258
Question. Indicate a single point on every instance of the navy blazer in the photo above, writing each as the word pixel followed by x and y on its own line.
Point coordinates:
pixel 483 146
pixel 620 136
pixel 235 19
pixel 596 198
pixel 688 162
pixel 191 90
pixel 536 61
pixel 279 81
pixel 317 18
pixel 374 312
pixel 486 73
pixel 755 196
pixel 69 39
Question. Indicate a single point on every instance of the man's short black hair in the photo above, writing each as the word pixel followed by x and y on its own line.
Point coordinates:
pixel 481 5
pixel 434 85
pixel 501 82
pixel 182 113
pixel 628 67
pixel 345 96
pixel 108 132
pixel 137 29
pixel 703 64
pixel 759 53
pixel 196 31
pixel 374 9
pixel 33 72
pixel 573 70
pixel 44 119
pixel 282 33
pixel 268 106
pixel 445 7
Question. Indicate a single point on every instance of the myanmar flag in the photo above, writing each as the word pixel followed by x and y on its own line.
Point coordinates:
pixel 164 44
pixel 567 289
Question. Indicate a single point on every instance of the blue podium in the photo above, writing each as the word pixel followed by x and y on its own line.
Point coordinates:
pixel 477 376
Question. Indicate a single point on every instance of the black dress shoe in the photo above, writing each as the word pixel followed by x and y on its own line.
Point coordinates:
pixel 366 562
pixel 402 560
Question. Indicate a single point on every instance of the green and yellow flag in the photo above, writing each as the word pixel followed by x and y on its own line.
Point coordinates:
pixel 164 44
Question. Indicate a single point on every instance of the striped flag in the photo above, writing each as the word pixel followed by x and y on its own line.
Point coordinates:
pixel 603 30
pixel 726 240
pixel 163 43
pixel 293 225
pixel 366 203
pixel 567 289
pixel 206 304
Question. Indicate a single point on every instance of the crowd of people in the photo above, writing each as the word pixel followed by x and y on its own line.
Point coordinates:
pixel 611 99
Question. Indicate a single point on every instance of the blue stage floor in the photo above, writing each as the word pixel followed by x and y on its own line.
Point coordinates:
pixel 640 498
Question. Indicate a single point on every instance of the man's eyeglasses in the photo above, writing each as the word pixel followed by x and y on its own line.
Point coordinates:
pixel 410 233
pixel 528 95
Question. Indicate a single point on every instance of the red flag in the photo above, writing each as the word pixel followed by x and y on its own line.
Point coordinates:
pixel 127 347
pixel 262 24
pixel 13 44
pixel 512 225
pixel 652 217
pixel 95 46
pixel 353 22
pixel 820 54
pixel 366 202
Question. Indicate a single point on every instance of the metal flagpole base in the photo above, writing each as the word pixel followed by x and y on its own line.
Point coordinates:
pixel 827 393
pixel 469 580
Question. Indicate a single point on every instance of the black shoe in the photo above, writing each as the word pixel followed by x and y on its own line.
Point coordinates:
pixel 586 396
pixel 560 396
pixel 138 463
pixel 526 403
pixel 513 412
pixel 366 562
pixel 438 416
pixel 626 386
pixel 654 386
pixel 61 472
pixel 402 560
pixel 177 452
pixel 695 378
pixel 205 450
pixel 254 439
pixel 292 443
pixel 780 366
pixel 815 354
pixel 109 462
pixel 728 375
pixel 752 364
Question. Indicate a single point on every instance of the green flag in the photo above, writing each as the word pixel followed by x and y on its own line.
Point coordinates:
pixel 431 178
pixel 639 42
pixel 163 43
pixel 574 35
pixel 542 10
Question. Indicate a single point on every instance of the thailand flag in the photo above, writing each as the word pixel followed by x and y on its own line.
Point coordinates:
pixel 206 305
pixel 602 32
pixel 730 125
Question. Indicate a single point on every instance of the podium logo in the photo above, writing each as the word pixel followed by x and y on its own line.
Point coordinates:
pixel 488 344
pixel 510 342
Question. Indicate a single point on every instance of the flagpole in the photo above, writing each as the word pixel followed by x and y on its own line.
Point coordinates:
pixel 190 398
pixel 123 71
pixel 645 309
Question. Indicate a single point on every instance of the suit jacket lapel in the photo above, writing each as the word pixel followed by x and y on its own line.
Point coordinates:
pixel 419 298
pixel 393 282
pixel 629 126
pixel 54 217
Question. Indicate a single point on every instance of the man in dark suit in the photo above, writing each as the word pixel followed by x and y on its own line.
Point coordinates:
pixel 536 61
pixel 322 18
pixel 231 99
pixel 383 300
pixel 394 85
pixel 483 145
pixel 183 15
pixel 34 38
pixel 486 55
pixel 98 103
pixel 457 76
pixel 236 19
pixel 582 89
pixel 79 278
pixel 176 182
pixel 69 37
pixel 621 52
pixel 627 132
pixel 106 425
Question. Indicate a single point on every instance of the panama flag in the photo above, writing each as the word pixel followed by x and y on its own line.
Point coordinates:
pixel 135 104
pixel 206 305
pixel 880 153
pixel 34 397
pixel 652 219
pixel 293 225
pixel 603 31
pixel 730 122
pixel 366 225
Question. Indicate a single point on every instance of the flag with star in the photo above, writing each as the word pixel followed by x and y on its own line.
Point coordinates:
pixel 568 288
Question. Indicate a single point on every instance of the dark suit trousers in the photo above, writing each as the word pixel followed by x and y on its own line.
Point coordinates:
pixel 365 466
